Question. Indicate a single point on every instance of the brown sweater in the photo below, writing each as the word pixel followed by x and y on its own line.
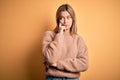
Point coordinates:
pixel 69 52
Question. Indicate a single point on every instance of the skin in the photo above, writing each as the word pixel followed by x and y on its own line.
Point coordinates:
pixel 65 22
pixel 65 25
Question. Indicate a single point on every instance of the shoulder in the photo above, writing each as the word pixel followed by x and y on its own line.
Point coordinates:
pixel 49 33
pixel 79 39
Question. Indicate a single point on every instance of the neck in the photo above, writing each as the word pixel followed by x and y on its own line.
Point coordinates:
pixel 67 32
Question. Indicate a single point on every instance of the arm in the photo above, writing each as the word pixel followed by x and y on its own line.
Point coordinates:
pixel 78 64
pixel 51 46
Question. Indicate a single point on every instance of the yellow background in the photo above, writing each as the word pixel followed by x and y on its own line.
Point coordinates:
pixel 23 23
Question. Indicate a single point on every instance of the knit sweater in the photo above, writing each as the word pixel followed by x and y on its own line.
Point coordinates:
pixel 69 52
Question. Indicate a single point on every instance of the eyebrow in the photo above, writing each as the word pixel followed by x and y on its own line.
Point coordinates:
pixel 66 16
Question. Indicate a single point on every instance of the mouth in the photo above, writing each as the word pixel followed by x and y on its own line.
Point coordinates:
pixel 65 25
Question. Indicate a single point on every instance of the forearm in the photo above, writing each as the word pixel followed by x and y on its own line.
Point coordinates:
pixel 52 47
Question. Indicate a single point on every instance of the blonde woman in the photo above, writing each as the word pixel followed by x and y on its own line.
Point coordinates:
pixel 65 52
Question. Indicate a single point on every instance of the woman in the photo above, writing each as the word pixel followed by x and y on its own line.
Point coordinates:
pixel 64 51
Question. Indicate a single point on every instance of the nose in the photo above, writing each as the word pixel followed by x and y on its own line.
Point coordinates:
pixel 65 20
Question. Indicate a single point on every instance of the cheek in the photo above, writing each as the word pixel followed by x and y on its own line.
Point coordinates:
pixel 70 22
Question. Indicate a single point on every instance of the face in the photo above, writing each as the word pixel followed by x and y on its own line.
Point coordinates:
pixel 66 19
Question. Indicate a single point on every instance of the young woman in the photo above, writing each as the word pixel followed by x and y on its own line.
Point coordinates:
pixel 64 51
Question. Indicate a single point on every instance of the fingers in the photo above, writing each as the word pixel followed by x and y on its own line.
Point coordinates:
pixel 54 64
pixel 62 27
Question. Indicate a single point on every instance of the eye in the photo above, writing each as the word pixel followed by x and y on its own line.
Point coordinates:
pixel 61 18
pixel 68 17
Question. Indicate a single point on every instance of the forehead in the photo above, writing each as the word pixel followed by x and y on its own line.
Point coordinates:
pixel 64 13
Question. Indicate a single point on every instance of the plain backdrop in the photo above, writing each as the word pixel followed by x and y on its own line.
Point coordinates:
pixel 22 26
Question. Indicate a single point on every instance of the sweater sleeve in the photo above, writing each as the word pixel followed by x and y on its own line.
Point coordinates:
pixel 78 64
pixel 51 46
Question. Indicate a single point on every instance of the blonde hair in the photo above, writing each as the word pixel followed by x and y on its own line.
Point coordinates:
pixel 69 9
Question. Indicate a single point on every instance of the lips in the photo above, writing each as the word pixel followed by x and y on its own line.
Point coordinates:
pixel 65 25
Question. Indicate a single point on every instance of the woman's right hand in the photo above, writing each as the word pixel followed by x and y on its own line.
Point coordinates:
pixel 61 28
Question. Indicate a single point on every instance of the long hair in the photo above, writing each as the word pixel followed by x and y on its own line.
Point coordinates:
pixel 69 9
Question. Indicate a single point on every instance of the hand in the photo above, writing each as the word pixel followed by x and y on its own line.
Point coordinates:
pixel 54 64
pixel 61 28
